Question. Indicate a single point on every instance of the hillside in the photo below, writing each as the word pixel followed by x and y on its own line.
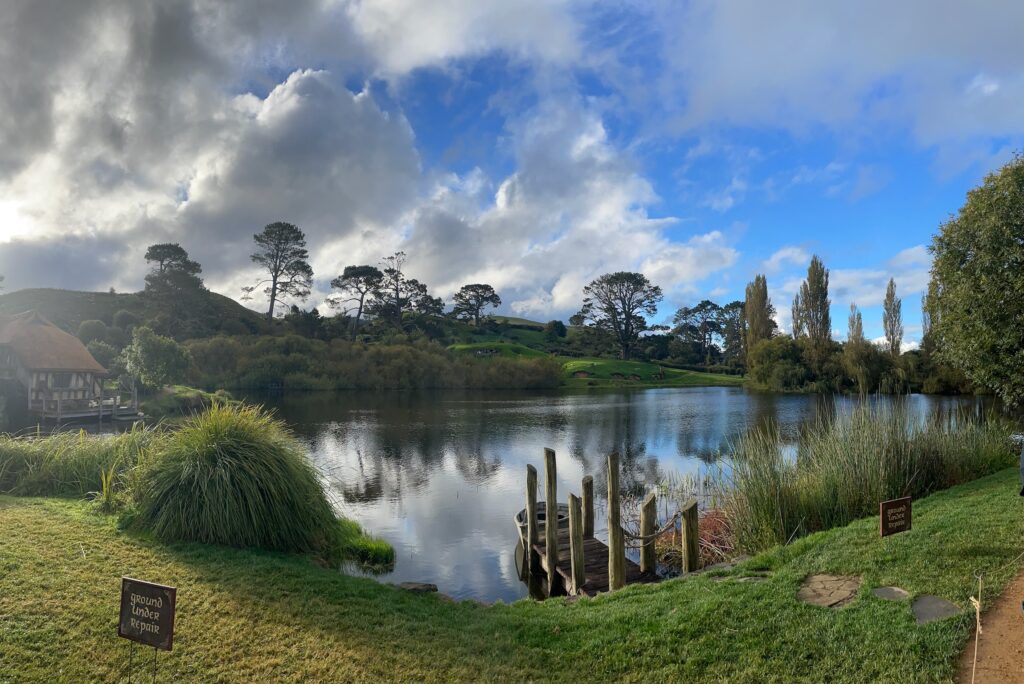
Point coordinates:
pixel 68 308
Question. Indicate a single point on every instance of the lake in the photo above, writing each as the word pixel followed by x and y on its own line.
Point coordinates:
pixel 440 475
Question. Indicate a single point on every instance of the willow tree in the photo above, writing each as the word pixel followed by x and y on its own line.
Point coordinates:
pixel 976 302
pixel 892 319
pixel 618 304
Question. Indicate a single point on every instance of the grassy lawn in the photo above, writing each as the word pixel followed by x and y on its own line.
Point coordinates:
pixel 595 372
pixel 248 616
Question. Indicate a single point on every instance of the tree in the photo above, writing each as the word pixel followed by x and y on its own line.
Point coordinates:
pixel 758 312
pixel 855 352
pixel 797 317
pixel 281 251
pixel 89 331
pixel 173 285
pixel 397 295
pixel 617 304
pixel 155 360
pixel 977 302
pixel 471 300
pixel 732 328
pixel 892 319
pixel 356 283
pixel 554 329
pixel 170 256
pixel 813 304
pixel 699 324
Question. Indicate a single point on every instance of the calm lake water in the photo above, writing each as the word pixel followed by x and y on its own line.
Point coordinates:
pixel 441 475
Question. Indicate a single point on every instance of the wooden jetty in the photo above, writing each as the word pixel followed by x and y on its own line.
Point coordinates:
pixel 573 560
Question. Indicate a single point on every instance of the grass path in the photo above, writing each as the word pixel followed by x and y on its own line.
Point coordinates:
pixel 247 616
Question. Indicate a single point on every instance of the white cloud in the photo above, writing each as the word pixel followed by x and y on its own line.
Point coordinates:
pixel 785 256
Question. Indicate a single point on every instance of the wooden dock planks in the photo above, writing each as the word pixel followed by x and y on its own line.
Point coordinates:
pixel 595 561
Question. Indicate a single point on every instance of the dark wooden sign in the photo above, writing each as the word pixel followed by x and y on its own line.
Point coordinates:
pixel 147 613
pixel 895 516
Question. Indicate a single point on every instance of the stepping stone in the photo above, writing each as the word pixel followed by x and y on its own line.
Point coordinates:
pixel 931 608
pixel 752 578
pixel 891 593
pixel 829 591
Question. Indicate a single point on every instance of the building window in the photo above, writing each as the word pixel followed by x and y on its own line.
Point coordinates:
pixel 62 380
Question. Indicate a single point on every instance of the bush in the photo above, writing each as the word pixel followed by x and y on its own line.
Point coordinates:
pixel 102 352
pixel 235 476
pixel 90 331
pixel 125 320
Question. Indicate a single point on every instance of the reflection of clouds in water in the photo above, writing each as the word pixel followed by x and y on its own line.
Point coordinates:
pixel 440 476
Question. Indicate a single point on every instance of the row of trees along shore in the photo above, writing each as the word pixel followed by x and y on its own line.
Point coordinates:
pixel 971 318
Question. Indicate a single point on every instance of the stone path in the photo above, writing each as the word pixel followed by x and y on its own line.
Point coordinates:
pixel 829 591
pixel 891 593
pixel 929 608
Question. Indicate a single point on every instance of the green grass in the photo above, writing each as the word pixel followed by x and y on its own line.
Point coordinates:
pixel 512 320
pixel 596 372
pixel 503 349
pixel 258 616
pixel 176 401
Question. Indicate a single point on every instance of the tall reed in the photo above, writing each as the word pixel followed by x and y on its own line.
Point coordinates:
pixel 841 469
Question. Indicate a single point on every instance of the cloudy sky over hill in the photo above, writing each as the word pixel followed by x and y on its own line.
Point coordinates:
pixel 531 144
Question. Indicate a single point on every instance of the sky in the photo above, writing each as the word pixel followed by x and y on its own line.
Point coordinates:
pixel 529 144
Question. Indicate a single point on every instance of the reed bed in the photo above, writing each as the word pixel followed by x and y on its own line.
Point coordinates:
pixel 840 469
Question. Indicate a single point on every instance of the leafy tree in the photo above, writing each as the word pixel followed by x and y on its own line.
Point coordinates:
pixel 155 360
pixel 471 300
pixel 732 328
pixel 125 320
pixel 90 331
pixel 700 324
pixel 617 304
pixel 395 294
pixel 170 256
pixel 356 284
pixel 892 319
pixel 856 351
pixel 281 251
pixel 977 302
pixel 104 353
pixel 811 316
pixel 758 312
pixel 306 323
pixel 554 330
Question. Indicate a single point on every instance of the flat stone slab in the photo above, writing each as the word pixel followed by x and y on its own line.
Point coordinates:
pixel 929 608
pixel 891 593
pixel 829 591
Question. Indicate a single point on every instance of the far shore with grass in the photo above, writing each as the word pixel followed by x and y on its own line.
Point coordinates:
pixel 248 615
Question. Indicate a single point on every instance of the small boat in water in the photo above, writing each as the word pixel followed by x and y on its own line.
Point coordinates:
pixel 542 514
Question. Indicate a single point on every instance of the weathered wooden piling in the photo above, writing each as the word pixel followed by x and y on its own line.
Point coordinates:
pixel 648 524
pixel 532 535
pixel 588 507
pixel 691 537
pixel 616 541
pixel 577 562
pixel 550 518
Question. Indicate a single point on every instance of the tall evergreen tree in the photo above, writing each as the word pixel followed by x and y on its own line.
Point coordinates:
pixel 758 312
pixel 472 300
pixel 618 303
pixel 281 251
pixel 892 319
pixel 356 284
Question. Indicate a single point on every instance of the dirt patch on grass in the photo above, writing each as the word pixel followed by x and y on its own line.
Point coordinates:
pixel 581 374
pixel 1001 650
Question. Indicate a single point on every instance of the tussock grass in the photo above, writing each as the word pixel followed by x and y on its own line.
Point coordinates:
pixel 843 468
pixel 236 476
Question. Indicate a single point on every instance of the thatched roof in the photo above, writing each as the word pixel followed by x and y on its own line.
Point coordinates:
pixel 41 346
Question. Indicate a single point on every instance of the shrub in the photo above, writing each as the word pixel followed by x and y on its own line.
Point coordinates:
pixel 125 320
pixel 90 331
pixel 236 476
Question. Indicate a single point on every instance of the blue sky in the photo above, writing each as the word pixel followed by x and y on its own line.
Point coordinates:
pixel 531 144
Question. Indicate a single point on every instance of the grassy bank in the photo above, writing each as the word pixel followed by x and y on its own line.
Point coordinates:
pixel 176 401
pixel 595 372
pixel 842 468
pixel 260 616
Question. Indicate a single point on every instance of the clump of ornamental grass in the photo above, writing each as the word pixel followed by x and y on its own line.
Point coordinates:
pixel 368 551
pixel 841 469
pixel 236 476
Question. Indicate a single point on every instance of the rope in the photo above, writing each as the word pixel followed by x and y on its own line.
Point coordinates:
pixel 654 535
pixel 976 603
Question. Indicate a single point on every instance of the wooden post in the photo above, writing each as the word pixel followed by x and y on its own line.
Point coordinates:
pixel 616 541
pixel 588 507
pixel 550 519
pixel 691 537
pixel 532 535
pixel 579 576
pixel 648 516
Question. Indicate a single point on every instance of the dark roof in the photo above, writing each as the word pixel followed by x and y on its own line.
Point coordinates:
pixel 40 345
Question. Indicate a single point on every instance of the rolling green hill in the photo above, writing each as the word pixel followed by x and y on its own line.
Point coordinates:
pixel 68 308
